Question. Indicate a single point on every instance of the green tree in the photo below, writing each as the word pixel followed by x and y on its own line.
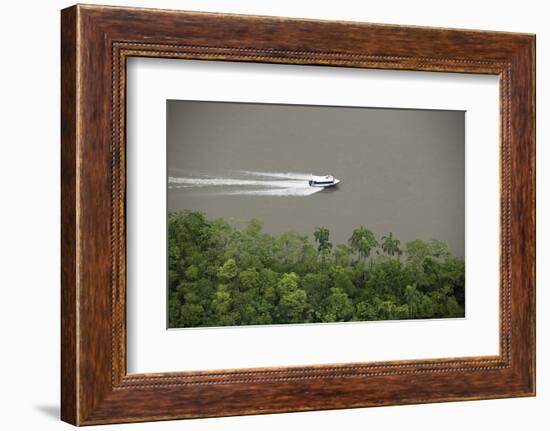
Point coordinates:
pixel 250 279
pixel 219 275
pixel 293 307
pixel 454 309
pixel 413 298
pixel 222 314
pixel 317 286
pixel 229 270
pixel 292 249
pixel 388 279
pixel 292 300
pixel 288 283
pixel 321 235
pixel 341 280
pixel 342 255
pixel 390 245
pixel 362 242
pixel 337 307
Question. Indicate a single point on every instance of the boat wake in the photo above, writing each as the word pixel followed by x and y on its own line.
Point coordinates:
pixel 250 183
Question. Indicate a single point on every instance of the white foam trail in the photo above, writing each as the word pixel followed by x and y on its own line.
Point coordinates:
pixel 203 182
pixel 287 175
pixel 277 192
pixel 263 184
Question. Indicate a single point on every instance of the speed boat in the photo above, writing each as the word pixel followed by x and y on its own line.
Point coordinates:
pixel 323 181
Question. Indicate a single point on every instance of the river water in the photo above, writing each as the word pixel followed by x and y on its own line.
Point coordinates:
pixel 401 171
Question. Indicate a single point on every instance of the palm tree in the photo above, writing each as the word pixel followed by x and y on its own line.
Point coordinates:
pixel 321 235
pixel 390 245
pixel 363 241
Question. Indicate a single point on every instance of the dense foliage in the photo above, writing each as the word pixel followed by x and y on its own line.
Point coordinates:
pixel 220 275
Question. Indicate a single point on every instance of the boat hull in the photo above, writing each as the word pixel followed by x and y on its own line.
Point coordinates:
pixel 323 186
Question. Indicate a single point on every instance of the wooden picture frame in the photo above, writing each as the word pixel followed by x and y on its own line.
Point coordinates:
pixel 95 43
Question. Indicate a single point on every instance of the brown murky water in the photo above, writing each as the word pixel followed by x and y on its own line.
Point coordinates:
pixel 401 171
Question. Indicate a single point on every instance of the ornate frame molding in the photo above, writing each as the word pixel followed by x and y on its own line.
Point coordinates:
pixel 96 41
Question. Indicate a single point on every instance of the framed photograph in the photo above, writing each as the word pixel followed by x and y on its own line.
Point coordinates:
pixel 266 215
